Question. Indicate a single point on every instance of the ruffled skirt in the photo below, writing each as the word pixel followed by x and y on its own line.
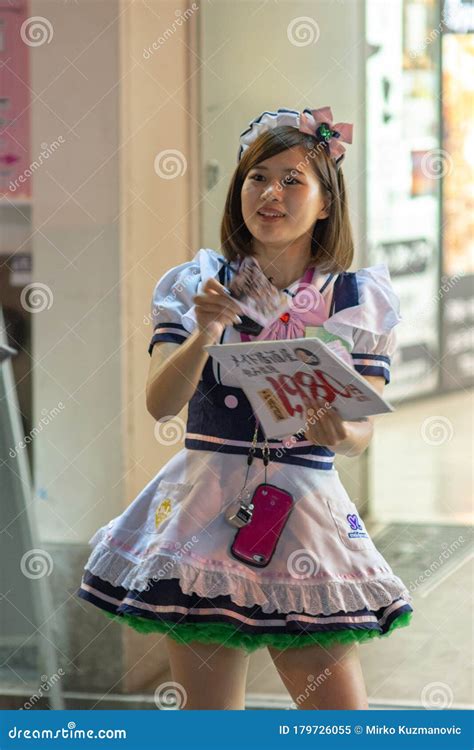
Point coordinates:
pixel 165 564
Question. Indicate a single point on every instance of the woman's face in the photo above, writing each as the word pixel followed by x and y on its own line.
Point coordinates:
pixel 287 184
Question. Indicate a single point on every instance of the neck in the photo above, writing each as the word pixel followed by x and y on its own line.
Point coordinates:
pixel 282 266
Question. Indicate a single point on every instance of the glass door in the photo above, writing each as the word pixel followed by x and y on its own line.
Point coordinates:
pixel 404 167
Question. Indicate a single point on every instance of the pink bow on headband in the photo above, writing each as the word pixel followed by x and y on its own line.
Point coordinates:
pixel 320 125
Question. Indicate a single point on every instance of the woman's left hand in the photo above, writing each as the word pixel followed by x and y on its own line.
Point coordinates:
pixel 324 426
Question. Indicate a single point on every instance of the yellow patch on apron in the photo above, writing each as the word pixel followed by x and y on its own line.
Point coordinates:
pixel 163 511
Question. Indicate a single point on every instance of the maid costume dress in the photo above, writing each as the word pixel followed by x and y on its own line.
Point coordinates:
pixel 165 565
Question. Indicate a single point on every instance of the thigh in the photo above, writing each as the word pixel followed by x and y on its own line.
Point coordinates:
pixel 319 677
pixel 208 675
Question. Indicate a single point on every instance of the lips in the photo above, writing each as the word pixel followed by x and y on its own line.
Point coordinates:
pixel 270 215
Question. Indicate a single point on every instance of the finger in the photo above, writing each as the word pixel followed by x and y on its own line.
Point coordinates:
pixel 216 302
pixel 320 409
pixel 215 286
pixel 320 437
pixel 337 424
pixel 213 304
pixel 313 435
pixel 314 418
pixel 219 316
pixel 333 432
pixel 325 425
pixel 229 321
pixel 328 411
pixel 314 427
pixel 330 435
pixel 223 317
pixel 216 298
pixel 325 420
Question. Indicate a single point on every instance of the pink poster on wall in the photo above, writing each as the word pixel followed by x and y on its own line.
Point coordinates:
pixel 15 159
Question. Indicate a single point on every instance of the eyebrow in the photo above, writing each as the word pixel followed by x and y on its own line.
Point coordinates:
pixel 285 169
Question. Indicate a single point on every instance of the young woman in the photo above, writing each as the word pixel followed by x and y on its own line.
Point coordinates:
pixel 165 564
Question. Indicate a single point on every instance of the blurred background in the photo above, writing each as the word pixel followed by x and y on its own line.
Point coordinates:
pixel 119 135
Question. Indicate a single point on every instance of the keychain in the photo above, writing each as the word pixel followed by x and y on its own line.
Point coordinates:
pixel 240 511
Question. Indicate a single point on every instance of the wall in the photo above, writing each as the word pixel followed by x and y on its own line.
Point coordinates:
pixel 76 253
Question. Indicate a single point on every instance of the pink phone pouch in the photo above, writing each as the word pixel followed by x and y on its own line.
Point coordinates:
pixel 255 543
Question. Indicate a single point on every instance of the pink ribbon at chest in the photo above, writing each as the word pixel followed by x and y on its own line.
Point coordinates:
pixel 306 308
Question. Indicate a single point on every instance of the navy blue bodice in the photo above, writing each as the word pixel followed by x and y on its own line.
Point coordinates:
pixel 221 418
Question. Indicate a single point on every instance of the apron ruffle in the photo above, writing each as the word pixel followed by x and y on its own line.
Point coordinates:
pixel 164 608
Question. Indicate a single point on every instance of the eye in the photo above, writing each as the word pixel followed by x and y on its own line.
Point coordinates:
pixel 285 181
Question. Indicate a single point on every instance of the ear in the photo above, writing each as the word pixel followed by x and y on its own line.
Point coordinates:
pixel 324 213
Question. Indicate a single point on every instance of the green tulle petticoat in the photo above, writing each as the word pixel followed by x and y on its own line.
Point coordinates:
pixel 230 636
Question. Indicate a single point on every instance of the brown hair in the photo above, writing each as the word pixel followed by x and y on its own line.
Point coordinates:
pixel 332 246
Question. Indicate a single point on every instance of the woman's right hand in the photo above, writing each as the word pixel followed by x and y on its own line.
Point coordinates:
pixel 215 309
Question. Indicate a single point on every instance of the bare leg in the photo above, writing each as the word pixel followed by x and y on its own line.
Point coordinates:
pixel 210 676
pixel 322 678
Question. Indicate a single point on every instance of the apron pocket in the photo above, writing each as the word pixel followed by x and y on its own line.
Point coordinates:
pixel 349 525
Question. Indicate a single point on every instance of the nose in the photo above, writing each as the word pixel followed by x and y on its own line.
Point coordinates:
pixel 272 188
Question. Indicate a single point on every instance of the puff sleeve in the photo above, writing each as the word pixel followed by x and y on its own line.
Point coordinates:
pixel 172 307
pixel 369 326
